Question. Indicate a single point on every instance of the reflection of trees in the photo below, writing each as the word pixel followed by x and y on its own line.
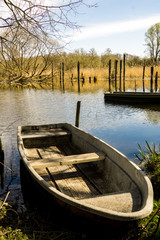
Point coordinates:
pixel 152 112
pixel 153 115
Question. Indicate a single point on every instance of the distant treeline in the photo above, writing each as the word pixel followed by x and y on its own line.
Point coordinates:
pixel 17 67
pixel 92 60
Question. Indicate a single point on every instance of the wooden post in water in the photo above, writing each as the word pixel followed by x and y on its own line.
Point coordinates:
pixel 151 83
pixel 120 76
pixel 115 65
pixel 63 72
pixel 52 76
pixel 95 79
pixel 156 82
pixel 78 75
pixel 143 76
pixel 110 75
pixel 83 79
pixel 1 164
pixel 63 75
pixel 60 73
pixel 77 113
pixel 124 62
pixel 72 78
pixel 135 86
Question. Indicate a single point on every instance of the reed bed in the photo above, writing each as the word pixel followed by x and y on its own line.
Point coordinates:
pixel 103 73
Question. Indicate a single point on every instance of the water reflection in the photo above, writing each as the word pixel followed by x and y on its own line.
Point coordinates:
pixel 152 110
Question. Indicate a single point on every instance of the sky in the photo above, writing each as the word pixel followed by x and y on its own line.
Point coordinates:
pixel 116 24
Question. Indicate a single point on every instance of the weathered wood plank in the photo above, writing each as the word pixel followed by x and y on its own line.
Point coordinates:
pixel 88 171
pixel 43 133
pixel 44 174
pixel 66 179
pixel 71 182
pixel 51 152
pixel 31 153
pixel 69 160
pixel 95 177
pixel 44 138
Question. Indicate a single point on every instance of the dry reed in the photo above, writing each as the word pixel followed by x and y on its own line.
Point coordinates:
pixel 103 73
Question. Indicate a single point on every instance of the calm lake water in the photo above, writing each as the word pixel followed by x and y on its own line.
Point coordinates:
pixel 122 126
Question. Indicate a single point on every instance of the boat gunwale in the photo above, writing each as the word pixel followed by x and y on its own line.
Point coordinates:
pixel 120 216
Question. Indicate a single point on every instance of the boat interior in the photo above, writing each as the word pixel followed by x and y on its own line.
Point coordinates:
pixel 84 174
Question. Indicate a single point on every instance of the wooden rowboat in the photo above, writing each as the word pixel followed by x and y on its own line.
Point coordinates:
pixel 133 97
pixel 83 174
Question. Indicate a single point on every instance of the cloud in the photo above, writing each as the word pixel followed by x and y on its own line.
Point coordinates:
pixel 106 29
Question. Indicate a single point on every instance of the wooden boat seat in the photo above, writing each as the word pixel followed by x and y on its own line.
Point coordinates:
pixel 44 133
pixel 128 201
pixel 68 160
pixel 44 138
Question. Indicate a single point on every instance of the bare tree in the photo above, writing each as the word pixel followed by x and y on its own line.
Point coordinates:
pixel 39 17
pixel 32 28
pixel 24 56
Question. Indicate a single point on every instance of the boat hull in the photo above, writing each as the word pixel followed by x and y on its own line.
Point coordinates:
pixel 66 215
pixel 133 97
pixel 114 162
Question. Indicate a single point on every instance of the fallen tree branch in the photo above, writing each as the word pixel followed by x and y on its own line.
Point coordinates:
pixel 4 200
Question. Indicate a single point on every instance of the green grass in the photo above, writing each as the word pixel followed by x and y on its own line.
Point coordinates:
pixel 149 157
pixel 150 161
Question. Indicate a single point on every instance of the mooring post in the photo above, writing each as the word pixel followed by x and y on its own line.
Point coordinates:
pixel 95 79
pixel 63 76
pixel 110 75
pixel 72 78
pixel 83 79
pixel 1 164
pixel 156 82
pixel 120 76
pixel 52 75
pixel 124 62
pixel 63 72
pixel 143 76
pixel 77 113
pixel 60 73
pixel 116 62
pixel 151 83
pixel 78 75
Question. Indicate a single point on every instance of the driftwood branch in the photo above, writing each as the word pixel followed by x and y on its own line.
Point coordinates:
pixel 4 200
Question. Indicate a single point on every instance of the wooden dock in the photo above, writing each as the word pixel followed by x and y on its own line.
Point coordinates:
pixel 132 97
